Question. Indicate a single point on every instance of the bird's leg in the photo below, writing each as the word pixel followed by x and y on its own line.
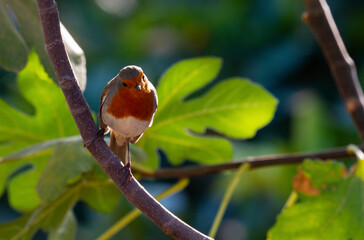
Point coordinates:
pixel 100 133
pixel 128 163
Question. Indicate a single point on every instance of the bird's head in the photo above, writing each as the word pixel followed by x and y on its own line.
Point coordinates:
pixel 133 78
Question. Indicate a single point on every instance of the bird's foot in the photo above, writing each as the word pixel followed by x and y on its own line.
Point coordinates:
pixel 128 167
pixel 99 134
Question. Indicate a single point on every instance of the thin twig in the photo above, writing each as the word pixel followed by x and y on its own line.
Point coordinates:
pixel 227 198
pixel 320 20
pixel 111 164
pixel 255 162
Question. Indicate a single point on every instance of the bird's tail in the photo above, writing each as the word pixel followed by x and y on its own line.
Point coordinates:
pixel 121 151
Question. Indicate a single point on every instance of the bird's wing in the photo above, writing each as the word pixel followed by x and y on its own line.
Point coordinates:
pixel 155 97
pixel 107 90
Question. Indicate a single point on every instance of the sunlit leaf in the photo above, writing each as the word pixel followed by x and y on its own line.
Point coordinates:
pixel 336 213
pixel 76 56
pixel 185 77
pixel 360 169
pixel 323 173
pixel 18 130
pixel 22 187
pixel 236 108
pixel 52 118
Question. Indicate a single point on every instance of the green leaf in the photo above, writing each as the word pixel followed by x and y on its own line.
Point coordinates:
pixel 65 166
pixel 13 161
pixel 101 197
pixel 336 213
pixel 68 161
pixel 66 229
pixel 322 173
pixel 52 118
pixel 38 147
pixel 360 169
pixel 21 31
pixel 13 49
pixel 9 230
pixel 18 130
pixel 235 108
pixel 76 57
pixel 56 217
pixel 137 153
pixel 22 187
pixel 185 77
pixel 48 217
pixel 22 19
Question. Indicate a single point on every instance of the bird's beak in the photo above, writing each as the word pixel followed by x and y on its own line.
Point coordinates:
pixel 138 87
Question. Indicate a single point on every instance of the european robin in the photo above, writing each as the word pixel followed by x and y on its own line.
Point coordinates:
pixel 127 107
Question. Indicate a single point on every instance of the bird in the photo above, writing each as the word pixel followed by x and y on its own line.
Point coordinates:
pixel 127 107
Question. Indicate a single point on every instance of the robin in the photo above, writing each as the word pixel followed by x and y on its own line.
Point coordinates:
pixel 127 107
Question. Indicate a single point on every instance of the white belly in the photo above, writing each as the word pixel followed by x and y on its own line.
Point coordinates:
pixel 128 127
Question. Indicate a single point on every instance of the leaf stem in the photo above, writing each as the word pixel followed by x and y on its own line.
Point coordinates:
pixel 291 200
pixel 224 203
pixel 179 186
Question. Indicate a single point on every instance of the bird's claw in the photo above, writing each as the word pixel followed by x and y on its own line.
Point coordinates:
pixel 128 167
pixel 99 134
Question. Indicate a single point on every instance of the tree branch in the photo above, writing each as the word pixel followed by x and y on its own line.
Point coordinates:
pixel 111 164
pixel 320 20
pixel 255 162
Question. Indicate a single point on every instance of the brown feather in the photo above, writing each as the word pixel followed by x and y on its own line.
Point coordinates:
pixel 110 85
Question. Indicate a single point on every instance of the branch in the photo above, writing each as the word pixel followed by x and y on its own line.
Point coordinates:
pixel 255 162
pixel 111 164
pixel 320 20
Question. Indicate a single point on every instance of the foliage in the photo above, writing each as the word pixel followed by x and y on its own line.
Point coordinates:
pixel 61 172
pixel 235 108
pixel 19 130
pixel 21 31
pixel 265 41
pixel 42 183
pixel 335 213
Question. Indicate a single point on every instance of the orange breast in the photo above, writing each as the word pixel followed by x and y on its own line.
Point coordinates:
pixel 132 102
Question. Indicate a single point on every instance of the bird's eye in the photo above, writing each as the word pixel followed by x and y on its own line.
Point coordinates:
pixel 143 77
pixel 125 85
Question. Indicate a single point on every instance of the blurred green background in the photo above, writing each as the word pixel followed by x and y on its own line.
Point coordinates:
pixel 265 41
